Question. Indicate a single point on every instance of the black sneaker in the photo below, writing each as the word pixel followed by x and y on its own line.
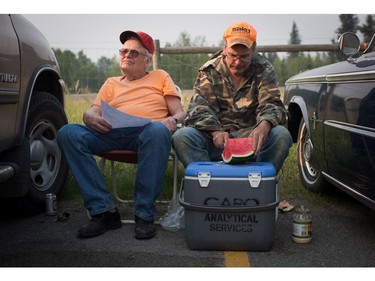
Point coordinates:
pixel 100 223
pixel 144 229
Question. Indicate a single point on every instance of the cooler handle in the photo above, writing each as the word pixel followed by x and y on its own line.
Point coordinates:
pixel 200 207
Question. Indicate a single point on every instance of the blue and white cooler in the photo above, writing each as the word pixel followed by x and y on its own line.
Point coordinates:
pixel 230 207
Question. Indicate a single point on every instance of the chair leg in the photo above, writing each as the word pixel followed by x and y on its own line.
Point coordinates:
pixel 115 189
pixel 175 173
pixel 115 192
pixel 114 185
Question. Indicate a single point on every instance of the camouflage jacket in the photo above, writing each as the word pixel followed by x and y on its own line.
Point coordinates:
pixel 216 106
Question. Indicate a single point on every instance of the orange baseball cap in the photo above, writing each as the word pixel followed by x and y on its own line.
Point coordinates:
pixel 240 33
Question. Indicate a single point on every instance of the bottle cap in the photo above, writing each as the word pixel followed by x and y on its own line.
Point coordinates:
pixel 301 209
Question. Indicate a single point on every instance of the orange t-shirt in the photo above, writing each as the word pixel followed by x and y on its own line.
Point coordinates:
pixel 144 97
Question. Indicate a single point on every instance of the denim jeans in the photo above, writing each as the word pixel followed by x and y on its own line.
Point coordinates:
pixel 192 145
pixel 152 143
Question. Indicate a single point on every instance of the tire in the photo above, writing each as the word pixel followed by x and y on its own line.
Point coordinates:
pixel 309 168
pixel 48 168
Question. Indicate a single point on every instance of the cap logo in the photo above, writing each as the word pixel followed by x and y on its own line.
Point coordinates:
pixel 241 30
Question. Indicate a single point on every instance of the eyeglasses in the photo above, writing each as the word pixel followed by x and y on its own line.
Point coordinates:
pixel 133 53
pixel 244 58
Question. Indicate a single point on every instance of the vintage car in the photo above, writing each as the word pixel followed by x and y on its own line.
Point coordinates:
pixel 332 120
pixel 31 112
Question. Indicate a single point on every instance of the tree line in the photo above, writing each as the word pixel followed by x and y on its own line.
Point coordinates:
pixel 82 75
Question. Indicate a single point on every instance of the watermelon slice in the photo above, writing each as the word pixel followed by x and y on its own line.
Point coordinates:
pixel 237 151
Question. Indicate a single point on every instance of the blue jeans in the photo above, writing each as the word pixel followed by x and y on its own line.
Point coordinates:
pixel 152 143
pixel 192 145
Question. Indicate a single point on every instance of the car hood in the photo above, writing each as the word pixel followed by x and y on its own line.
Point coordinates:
pixel 362 68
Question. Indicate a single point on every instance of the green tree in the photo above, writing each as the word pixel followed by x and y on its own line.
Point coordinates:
pixel 294 40
pixel 183 68
pixel 108 67
pixel 68 67
pixel 349 23
pixel 272 57
pixel 89 75
pixel 80 74
pixel 368 28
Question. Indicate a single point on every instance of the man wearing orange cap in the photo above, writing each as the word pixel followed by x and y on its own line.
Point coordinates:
pixel 141 93
pixel 235 96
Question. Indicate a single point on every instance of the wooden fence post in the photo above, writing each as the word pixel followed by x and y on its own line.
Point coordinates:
pixel 156 56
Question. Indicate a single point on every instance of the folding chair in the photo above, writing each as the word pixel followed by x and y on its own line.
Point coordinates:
pixel 130 157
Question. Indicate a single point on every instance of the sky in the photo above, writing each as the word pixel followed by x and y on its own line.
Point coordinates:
pixel 95 29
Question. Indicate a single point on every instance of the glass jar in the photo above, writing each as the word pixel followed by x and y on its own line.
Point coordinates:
pixel 302 220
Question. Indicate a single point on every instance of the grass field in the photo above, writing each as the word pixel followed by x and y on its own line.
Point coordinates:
pixel 76 105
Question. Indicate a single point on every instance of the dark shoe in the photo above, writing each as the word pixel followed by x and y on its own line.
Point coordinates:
pixel 100 223
pixel 144 229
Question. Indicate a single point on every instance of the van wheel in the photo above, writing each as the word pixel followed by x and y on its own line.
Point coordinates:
pixel 48 168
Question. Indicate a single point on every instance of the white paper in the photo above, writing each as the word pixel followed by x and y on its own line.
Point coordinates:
pixel 120 119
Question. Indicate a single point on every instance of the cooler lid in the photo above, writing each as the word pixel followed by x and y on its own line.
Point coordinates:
pixel 223 170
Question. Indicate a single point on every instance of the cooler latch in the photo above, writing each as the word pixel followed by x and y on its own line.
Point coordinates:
pixel 204 178
pixel 255 179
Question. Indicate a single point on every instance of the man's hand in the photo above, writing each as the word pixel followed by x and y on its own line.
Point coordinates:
pixel 219 138
pixel 171 123
pixel 259 135
pixel 94 120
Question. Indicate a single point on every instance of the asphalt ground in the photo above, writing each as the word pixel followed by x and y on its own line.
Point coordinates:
pixel 343 239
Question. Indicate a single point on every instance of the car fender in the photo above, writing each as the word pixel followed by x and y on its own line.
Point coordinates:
pixel 297 109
